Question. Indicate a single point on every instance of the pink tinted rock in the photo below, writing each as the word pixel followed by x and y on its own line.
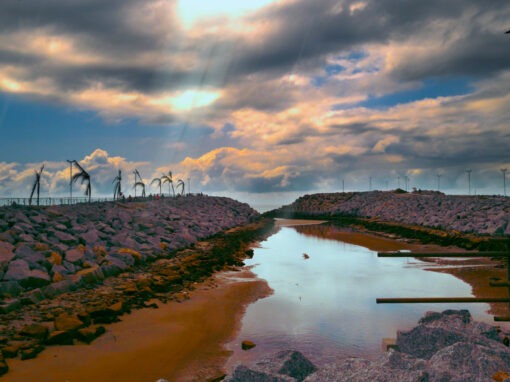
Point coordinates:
pixel 74 255
pixel 64 237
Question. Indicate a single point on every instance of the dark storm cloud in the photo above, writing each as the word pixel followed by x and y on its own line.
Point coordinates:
pixel 106 28
pixel 11 57
pixel 305 32
pixel 102 22
pixel 356 128
pixel 309 30
pixel 458 150
pixel 478 54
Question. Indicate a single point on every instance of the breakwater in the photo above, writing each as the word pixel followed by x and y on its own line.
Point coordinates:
pixel 60 245
pixel 155 249
pixel 485 215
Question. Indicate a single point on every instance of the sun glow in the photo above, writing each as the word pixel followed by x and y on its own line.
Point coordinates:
pixel 191 11
pixel 10 85
pixel 192 99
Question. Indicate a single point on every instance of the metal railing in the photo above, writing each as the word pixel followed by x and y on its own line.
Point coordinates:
pixel 47 201
pixel 53 201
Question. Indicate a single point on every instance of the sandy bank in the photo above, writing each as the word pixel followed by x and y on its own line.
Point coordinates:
pixel 370 240
pixel 178 341
pixel 296 222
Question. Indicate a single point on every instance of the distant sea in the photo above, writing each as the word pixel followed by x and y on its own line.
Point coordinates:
pixel 264 201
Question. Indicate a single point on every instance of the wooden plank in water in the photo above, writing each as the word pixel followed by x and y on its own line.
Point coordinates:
pixel 419 300
pixel 499 284
pixel 444 254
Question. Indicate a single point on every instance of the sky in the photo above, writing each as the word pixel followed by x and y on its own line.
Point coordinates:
pixel 262 100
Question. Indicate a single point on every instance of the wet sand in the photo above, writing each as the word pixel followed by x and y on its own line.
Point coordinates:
pixel 478 276
pixel 370 240
pixel 296 222
pixel 178 342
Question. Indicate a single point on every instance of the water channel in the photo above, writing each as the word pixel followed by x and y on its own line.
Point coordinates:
pixel 325 305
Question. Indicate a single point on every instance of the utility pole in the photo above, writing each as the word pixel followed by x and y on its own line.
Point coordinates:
pixel 406 179
pixel 70 180
pixel 398 180
pixel 134 172
pixel 468 171
pixel 189 186
pixel 369 183
pixel 439 181
pixel 343 185
pixel 503 170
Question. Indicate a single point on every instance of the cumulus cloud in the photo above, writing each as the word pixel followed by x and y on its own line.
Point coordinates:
pixel 17 179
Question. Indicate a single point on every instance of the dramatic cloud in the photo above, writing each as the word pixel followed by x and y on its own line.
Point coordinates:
pixel 263 96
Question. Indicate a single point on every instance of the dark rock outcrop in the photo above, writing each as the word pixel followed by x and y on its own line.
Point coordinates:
pixel 444 347
pixel 287 365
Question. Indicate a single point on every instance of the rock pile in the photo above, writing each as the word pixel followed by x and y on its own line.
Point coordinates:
pixel 470 214
pixel 446 347
pixel 31 320
pixel 48 251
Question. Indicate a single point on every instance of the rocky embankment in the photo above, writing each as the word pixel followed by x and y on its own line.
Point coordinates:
pixel 56 263
pixel 54 249
pixel 446 347
pixel 468 214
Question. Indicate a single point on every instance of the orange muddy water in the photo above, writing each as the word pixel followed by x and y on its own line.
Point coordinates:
pixel 177 342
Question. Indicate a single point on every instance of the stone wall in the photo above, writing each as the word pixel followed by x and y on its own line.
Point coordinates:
pixel 469 214
pixel 47 251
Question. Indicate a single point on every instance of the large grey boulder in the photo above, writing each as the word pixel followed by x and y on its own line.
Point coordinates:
pixel 287 365
pixel 436 331
pixel 65 237
pixel 74 255
pixel 469 361
pixel 19 270
pixel 443 347
pixel 90 237
pixel 391 367
pixel 245 374
pixel 424 342
pixel 33 258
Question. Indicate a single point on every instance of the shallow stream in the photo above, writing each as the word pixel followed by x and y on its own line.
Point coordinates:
pixel 325 305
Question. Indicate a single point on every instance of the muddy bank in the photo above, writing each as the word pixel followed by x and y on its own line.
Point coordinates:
pixel 178 342
pixel 373 240
pixel 80 316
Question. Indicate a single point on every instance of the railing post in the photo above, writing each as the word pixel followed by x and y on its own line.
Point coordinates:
pixel 508 272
